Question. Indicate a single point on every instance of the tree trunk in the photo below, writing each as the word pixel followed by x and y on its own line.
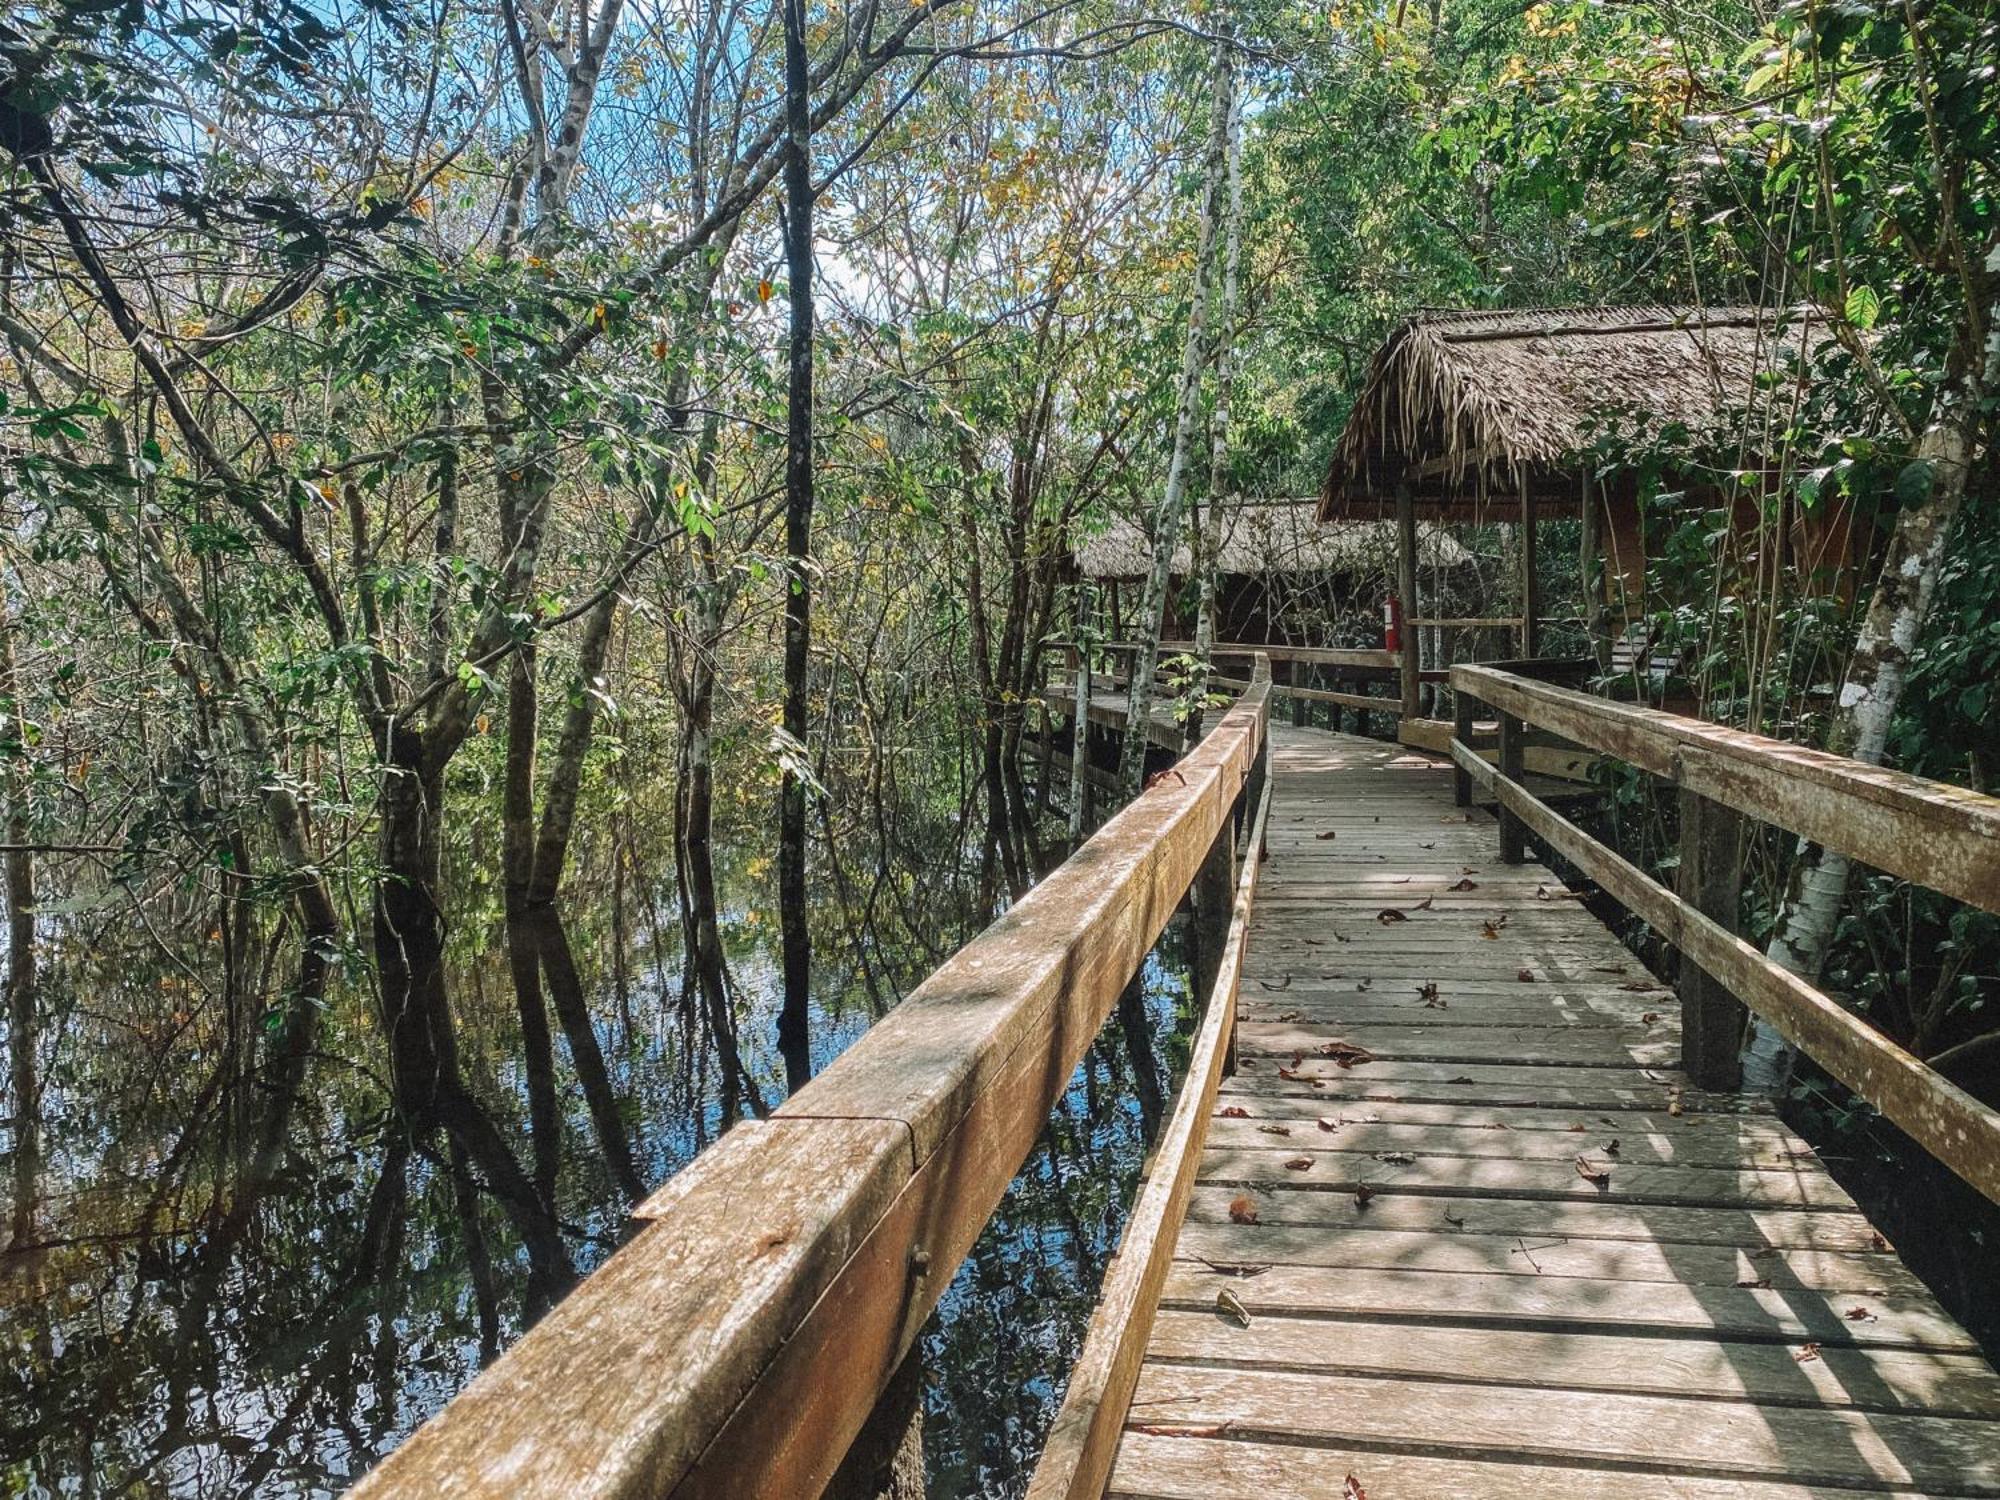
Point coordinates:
pixel 416 1014
pixel 795 939
pixel 517 860
pixel 1208 551
pixel 1879 668
pixel 1167 516
pixel 24 1091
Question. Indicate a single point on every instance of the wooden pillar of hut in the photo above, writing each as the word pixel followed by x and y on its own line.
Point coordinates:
pixel 1531 583
pixel 1406 588
pixel 1591 562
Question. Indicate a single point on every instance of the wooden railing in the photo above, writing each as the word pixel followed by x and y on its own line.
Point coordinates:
pixel 1076 1460
pixel 738 1343
pixel 1935 835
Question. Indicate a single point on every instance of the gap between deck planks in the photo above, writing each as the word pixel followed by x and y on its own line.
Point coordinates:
pixel 1716 1319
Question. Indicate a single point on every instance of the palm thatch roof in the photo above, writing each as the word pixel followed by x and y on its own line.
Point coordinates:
pixel 1460 405
pixel 1269 536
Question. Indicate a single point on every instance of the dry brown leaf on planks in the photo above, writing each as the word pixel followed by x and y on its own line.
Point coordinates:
pixel 1428 990
pixel 1596 1173
pixel 1860 1315
pixel 1242 1210
pixel 1346 1054
pixel 1362 1193
pixel 1464 883
pixel 1287 1015
pixel 1424 905
pixel 1648 1017
pixel 1755 1284
pixel 1282 984
pixel 1579 1128
pixel 1611 1146
pixel 1389 914
pixel 1328 1122
pixel 1325 833
pixel 1396 1158
pixel 1805 1354
pixel 1233 1112
pixel 1231 1305
pixel 1240 1270
pixel 1352 1490
pixel 1275 1129
pixel 1168 1429
pixel 1526 976
pixel 1298 1164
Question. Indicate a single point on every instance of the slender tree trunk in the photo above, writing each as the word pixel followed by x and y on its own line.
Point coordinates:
pixel 794 1040
pixel 24 1090
pixel 1167 516
pixel 1878 671
pixel 428 1087
pixel 1209 549
pixel 517 860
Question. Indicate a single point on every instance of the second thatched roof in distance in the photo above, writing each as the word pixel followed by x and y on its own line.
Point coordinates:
pixel 1269 536
pixel 1461 403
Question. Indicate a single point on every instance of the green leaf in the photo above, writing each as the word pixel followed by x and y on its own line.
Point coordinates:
pixel 1913 484
pixel 1863 307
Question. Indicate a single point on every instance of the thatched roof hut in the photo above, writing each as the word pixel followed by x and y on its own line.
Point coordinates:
pixel 1269 536
pixel 1467 407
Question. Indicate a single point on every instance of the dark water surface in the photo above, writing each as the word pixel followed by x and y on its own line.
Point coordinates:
pixel 182 1323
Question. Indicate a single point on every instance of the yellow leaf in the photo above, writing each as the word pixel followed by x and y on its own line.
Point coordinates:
pixel 763 291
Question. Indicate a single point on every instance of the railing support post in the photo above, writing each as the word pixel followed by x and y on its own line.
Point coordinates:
pixel 1214 896
pixel 1406 585
pixel 1711 880
pixel 1513 836
pixel 1463 706
pixel 1079 749
pixel 886 1459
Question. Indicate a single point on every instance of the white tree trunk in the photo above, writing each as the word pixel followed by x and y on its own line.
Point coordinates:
pixel 1208 549
pixel 1878 670
pixel 1167 516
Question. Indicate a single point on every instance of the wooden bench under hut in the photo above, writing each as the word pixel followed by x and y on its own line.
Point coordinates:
pixel 1496 419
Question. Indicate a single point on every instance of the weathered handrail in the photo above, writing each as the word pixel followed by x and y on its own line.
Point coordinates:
pixel 738 1342
pixel 1083 1440
pixel 1927 832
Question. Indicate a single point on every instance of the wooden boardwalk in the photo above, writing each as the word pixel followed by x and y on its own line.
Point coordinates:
pixel 1460 1230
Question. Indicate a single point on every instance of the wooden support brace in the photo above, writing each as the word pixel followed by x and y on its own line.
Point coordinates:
pixel 1711 881
pixel 1513 836
pixel 1463 707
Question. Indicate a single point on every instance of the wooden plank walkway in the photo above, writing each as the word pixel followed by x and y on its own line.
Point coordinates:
pixel 1500 1250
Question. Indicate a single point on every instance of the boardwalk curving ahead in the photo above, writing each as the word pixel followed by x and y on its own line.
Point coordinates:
pixel 1461 1228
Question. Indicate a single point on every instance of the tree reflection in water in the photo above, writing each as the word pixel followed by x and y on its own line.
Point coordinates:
pixel 230 1280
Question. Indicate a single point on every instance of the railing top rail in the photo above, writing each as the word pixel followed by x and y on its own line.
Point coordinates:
pixel 1931 833
pixel 738 1342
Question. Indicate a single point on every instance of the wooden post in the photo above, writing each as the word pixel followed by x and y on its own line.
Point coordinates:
pixel 1294 671
pixel 1406 587
pixel 1463 706
pixel 1513 837
pixel 1711 880
pixel 886 1459
pixel 1214 896
pixel 1531 583
pixel 1592 567
pixel 1079 750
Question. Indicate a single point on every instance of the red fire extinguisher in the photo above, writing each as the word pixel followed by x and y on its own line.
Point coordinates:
pixel 1392 624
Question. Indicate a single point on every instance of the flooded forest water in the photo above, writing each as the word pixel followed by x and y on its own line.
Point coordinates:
pixel 190 1309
